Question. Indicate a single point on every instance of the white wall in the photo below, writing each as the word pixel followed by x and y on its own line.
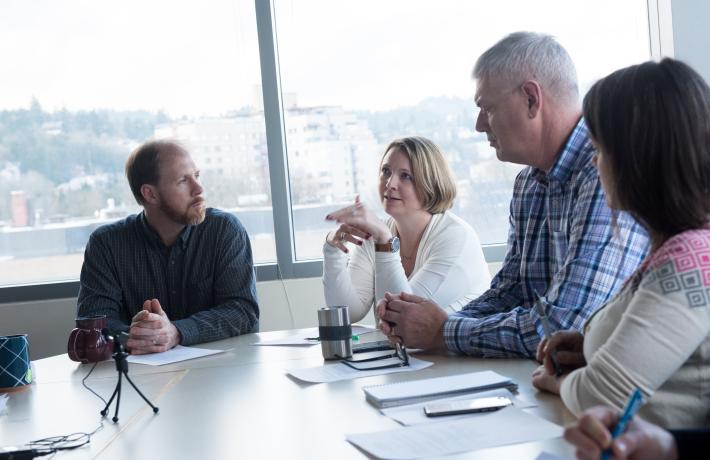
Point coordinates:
pixel 48 322
pixel 283 305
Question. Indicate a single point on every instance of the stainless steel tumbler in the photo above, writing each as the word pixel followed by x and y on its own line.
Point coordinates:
pixel 335 332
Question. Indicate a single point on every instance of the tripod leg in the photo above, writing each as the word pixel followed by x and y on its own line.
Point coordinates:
pixel 155 409
pixel 118 398
pixel 108 404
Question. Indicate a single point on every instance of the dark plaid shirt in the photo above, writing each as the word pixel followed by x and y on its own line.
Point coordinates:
pixel 205 281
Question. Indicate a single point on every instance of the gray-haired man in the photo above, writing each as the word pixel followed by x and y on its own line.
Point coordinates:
pixel 561 241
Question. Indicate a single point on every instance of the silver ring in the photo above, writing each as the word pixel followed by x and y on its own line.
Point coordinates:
pixel 342 236
pixel 353 211
pixel 155 341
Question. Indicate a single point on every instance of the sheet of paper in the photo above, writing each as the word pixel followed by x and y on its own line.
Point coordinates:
pixel 3 402
pixel 338 371
pixel 413 414
pixel 302 338
pixel 548 456
pixel 175 355
pixel 504 427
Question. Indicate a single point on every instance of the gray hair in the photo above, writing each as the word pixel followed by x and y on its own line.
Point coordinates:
pixel 530 56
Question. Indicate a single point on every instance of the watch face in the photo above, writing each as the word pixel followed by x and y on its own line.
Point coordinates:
pixel 395 244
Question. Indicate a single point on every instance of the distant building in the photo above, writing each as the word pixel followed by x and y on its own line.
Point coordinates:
pixel 19 209
pixel 229 146
pixel 332 155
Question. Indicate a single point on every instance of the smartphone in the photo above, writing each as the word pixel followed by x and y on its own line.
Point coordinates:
pixel 466 406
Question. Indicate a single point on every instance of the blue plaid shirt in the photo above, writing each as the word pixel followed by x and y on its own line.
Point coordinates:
pixel 205 281
pixel 562 242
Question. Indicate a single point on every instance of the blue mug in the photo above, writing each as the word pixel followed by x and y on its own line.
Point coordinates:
pixel 15 370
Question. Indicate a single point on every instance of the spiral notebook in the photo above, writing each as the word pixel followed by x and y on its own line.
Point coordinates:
pixel 415 391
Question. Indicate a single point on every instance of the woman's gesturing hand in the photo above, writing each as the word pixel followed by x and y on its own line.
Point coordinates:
pixel 357 222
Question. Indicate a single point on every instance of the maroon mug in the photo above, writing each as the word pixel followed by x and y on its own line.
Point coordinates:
pixel 87 343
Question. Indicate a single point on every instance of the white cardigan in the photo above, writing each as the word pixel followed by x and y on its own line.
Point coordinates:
pixel 450 269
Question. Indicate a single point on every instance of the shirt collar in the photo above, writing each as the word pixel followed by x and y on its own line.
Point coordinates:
pixel 154 238
pixel 571 158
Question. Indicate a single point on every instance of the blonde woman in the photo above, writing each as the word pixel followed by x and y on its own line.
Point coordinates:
pixel 422 248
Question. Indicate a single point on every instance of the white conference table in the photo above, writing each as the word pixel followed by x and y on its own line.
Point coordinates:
pixel 238 404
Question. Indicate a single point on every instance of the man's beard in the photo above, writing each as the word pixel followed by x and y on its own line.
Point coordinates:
pixel 193 215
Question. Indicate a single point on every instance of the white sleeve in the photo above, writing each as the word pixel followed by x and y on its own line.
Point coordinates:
pixel 656 335
pixel 350 282
pixel 453 267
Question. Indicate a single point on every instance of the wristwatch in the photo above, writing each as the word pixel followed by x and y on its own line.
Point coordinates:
pixel 392 245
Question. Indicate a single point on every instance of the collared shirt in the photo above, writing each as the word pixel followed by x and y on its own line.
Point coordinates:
pixel 205 281
pixel 564 242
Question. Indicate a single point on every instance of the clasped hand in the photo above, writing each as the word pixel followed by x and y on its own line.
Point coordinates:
pixel 151 331
pixel 357 223
pixel 411 320
pixel 567 346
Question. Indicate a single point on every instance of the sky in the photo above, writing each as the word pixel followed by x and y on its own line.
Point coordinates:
pixel 194 59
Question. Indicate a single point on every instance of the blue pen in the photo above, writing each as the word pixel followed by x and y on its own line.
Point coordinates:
pixel 635 402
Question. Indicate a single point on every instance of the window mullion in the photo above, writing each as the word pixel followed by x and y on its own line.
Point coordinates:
pixel 275 137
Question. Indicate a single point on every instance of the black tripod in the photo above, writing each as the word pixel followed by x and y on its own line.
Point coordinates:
pixel 119 355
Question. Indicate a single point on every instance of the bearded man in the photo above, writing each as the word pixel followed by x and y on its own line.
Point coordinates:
pixel 178 272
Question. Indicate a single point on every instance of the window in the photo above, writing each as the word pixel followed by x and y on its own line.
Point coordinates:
pixel 85 82
pixel 358 75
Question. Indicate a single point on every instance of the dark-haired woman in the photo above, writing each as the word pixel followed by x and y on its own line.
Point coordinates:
pixel 651 126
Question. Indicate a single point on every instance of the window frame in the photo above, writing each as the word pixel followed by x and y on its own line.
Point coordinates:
pixel 660 25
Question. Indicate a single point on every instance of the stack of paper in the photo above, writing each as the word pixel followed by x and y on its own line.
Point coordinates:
pixel 399 394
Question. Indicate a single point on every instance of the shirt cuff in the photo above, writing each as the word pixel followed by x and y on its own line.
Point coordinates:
pixel 189 334
pixel 387 257
pixel 453 327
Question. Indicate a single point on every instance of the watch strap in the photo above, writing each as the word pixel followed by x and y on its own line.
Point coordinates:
pixel 384 247
pixel 392 245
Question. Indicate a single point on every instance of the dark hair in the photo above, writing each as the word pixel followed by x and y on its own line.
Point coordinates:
pixel 143 164
pixel 652 123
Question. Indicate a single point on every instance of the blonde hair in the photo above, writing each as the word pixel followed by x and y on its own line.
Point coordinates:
pixel 433 180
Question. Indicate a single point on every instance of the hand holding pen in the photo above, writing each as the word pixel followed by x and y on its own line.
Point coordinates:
pixel 632 406
pixel 591 436
pixel 560 351
pixel 568 347
pixel 541 309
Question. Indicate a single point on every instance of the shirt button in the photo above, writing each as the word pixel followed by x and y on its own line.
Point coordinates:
pixel 172 262
pixel 174 292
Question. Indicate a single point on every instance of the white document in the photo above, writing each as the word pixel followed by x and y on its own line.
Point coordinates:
pixel 179 353
pixel 308 338
pixel 3 402
pixel 416 391
pixel 504 427
pixel 548 456
pixel 339 371
pixel 413 414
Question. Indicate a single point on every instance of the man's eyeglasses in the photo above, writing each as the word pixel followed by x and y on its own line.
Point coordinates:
pixel 396 358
